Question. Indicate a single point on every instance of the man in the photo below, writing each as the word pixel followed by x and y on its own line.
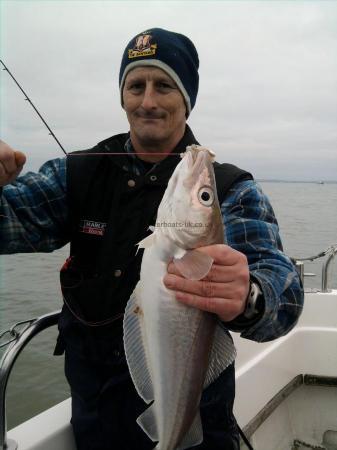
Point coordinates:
pixel 103 200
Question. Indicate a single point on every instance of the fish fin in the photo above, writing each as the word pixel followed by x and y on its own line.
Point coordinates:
pixel 222 355
pixel 194 436
pixel 147 421
pixel 194 265
pixel 146 242
pixel 135 352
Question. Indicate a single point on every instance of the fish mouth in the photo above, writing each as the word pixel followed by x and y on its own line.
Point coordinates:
pixel 197 152
pixel 199 159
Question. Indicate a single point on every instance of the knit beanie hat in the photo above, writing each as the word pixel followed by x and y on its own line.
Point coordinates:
pixel 172 52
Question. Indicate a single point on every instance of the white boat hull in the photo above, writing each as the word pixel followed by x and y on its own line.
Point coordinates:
pixel 262 370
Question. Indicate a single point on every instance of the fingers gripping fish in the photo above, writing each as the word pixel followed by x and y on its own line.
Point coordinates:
pixel 174 351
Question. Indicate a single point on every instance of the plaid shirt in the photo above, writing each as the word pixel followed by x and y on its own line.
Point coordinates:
pixel 33 217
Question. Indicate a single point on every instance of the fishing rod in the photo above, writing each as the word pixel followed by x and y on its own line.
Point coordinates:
pixel 33 106
pixel 59 143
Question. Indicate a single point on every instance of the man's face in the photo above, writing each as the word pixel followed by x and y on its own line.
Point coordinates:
pixel 154 106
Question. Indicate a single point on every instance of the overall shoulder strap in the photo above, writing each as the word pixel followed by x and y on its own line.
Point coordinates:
pixel 226 175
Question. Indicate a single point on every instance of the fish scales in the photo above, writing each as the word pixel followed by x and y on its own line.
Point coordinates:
pixel 173 350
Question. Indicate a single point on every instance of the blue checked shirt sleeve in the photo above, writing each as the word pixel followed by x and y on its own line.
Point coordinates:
pixel 251 228
pixel 33 211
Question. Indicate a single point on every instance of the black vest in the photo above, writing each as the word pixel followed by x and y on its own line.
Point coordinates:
pixel 110 212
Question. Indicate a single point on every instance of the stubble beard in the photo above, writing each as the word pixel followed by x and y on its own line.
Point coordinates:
pixel 151 140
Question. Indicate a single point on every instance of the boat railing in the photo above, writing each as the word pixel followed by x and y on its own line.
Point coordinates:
pixel 16 338
pixel 329 253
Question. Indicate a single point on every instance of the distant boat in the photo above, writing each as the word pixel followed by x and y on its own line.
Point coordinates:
pixel 320 182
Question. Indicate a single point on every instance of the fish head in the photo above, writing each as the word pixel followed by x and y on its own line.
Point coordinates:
pixel 189 213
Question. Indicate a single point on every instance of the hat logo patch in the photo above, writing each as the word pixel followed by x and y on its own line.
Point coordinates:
pixel 143 47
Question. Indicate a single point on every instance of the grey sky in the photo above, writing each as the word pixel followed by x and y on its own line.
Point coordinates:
pixel 268 77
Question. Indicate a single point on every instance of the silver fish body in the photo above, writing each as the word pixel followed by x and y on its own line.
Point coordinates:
pixel 173 350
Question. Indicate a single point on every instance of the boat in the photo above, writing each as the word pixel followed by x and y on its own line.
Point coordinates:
pixel 286 394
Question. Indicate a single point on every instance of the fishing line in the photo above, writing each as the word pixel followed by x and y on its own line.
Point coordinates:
pixel 33 106
pixel 125 154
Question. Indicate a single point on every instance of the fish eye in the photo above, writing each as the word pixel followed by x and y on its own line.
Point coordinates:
pixel 206 196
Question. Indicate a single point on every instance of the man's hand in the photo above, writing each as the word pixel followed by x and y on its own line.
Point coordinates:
pixel 11 163
pixel 223 291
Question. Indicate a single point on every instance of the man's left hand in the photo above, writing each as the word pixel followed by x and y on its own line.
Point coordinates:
pixel 223 291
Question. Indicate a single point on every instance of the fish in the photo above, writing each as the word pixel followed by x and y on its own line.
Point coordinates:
pixel 174 351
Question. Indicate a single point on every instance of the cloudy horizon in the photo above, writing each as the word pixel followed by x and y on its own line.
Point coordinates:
pixel 268 78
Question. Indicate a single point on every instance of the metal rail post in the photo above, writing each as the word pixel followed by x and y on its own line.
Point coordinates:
pixel 36 326
pixel 325 268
